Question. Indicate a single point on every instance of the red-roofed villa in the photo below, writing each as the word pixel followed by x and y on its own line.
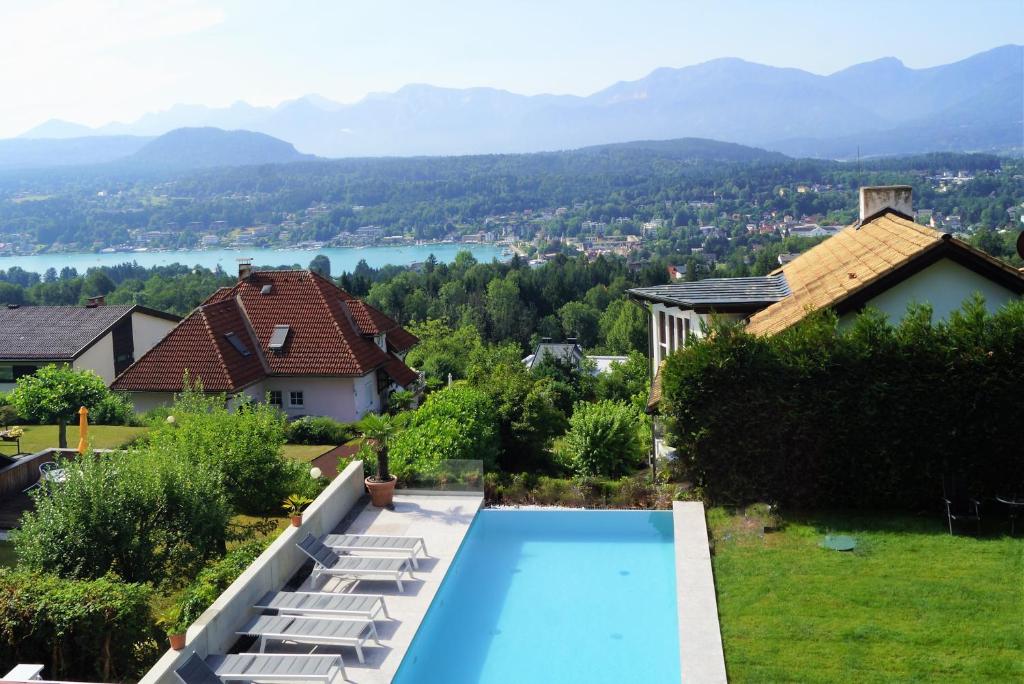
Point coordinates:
pixel 292 337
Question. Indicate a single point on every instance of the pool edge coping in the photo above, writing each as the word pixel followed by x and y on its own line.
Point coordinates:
pixel 701 657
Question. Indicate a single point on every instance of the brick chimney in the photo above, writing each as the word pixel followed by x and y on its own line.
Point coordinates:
pixel 244 268
pixel 93 302
pixel 879 198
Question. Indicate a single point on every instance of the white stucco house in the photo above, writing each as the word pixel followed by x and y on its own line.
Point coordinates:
pixel 292 338
pixel 885 261
pixel 104 339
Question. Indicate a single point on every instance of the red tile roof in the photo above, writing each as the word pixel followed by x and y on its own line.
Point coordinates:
pixel 331 334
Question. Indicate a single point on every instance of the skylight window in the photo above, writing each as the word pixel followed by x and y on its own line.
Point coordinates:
pixel 238 344
pixel 266 288
pixel 279 337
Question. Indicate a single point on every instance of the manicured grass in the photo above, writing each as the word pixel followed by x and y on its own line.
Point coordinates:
pixel 910 604
pixel 305 452
pixel 39 437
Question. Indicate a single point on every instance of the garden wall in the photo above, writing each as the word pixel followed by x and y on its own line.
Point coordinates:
pixel 214 631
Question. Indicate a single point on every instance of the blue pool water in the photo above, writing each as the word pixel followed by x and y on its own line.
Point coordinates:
pixel 554 596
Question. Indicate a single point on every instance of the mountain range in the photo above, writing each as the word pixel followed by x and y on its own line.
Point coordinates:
pixel 875 108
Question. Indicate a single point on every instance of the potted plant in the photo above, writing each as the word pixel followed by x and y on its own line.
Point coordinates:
pixel 174 622
pixel 378 431
pixel 294 505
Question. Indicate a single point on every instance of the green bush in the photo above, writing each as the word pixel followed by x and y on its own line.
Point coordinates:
pixel 603 439
pixel 138 514
pixel 114 409
pixel 868 415
pixel 318 430
pixel 457 422
pixel 244 445
pixel 211 582
pixel 86 630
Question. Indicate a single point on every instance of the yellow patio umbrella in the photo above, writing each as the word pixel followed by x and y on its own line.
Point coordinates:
pixel 83 430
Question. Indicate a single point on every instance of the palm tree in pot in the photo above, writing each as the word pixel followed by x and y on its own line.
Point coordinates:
pixel 378 431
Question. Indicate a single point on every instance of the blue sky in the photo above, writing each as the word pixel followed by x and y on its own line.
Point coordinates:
pixel 93 61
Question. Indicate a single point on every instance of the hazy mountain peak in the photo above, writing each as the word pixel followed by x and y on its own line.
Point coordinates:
pixel 724 99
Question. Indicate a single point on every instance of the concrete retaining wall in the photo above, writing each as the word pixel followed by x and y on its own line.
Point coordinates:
pixel 214 631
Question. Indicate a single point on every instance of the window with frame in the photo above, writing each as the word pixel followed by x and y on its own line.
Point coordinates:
pixel 274 398
pixel 296 399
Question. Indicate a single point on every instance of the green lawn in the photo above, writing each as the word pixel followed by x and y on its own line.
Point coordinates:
pixel 910 604
pixel 305 452
pixel 39 437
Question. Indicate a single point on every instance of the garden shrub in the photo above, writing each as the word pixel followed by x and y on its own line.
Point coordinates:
pixel 869 415
pixel 87 630
pixel 244 445
pixel 212 581
pixel 318 430
pixel 54 393
pixel 603 439
pixel 137 514
pixel 457 422
pixel 114 409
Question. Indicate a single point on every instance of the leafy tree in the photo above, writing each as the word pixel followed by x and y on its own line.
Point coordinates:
pixel 54 393
pixel 603 439
pixel 442 350
pixel 624 328
pixel 139 514
pixel 625 381
pixel 456 423
pixel 243 445
pixel 526 407
pixel 321 264
pixel 580 320
pixel 506 316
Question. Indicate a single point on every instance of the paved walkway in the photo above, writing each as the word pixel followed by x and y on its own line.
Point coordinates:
pixel 442 521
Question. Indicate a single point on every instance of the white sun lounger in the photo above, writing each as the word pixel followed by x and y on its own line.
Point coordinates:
pixel 314 603
pixel 263 667
pixel 309 630
pixel 408 546
pixel 357 567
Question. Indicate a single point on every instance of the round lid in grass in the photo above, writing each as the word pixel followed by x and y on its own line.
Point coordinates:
pixel 839 542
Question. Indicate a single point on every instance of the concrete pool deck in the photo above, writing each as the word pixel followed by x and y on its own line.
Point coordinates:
pixel 701 658
pixel 443 521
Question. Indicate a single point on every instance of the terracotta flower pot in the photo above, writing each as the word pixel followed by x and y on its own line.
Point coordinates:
pixel 296 520
pixel 177 641
pixel 382 493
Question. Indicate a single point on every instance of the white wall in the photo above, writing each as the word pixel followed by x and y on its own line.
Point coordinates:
pixel 945 285
pixel 662 348
pixel 144 401
pixel 147 331
pixel 344 399
pixel 100 358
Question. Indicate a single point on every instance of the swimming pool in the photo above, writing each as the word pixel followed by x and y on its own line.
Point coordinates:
pixel 554 596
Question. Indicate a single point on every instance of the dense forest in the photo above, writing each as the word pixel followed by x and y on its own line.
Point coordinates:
pixel 429 198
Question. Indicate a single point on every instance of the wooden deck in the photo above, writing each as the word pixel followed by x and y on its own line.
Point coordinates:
pixel 11 508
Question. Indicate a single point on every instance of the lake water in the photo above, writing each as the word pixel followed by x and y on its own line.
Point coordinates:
pixel 342 258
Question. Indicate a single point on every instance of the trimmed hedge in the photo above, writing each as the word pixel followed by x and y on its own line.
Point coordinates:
pixel 214 581
pixel 99 630
pixel 871 416
pixel 318 430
